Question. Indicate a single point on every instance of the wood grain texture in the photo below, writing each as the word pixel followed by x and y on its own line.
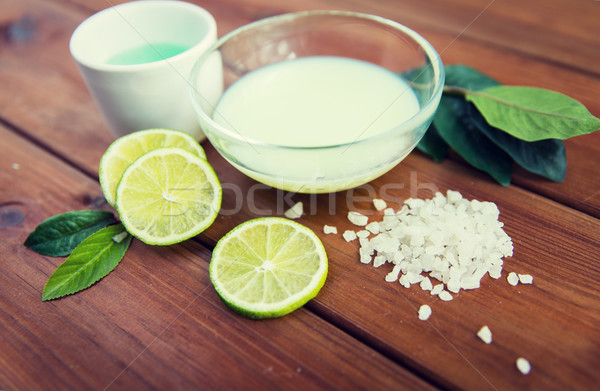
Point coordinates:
pixel 555 244
pixel 155 322
pixel 56 110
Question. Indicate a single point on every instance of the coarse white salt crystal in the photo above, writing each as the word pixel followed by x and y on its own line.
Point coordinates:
pixel 295 211
pixel 453 196
pixel 404 281
pixel 385 243
pixel 525 278
pixel 426 284
pixel 349 235
pixel 414 278
pixel 379 204
pixel 363 233
pixel 485 334
pixel 513 278
pixel 448 238
pixel 365 255
pixel 358 218
pixel 445 295
pixel 328 229
pixel 378 260
pixel 436 290
pixel 495 271
pixel 366 245
pixel 393 275
pixel 389 212
pixel 523 365
pixel 16 166
pixel 373 227
pixel 453 285
pixel 424 312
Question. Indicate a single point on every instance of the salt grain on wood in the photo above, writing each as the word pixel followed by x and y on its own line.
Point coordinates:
pixel 525 279
pixel 424 312
pixel 445 296
pixel 448 238
pixel 426 284
pixel 349 235
pixel 523 365
pixel 485 334
pixel 363 233
pixel 379 204
pixel 373 227
pixel 436 290
pixel 328 229
pixel 295 211
pixel 513 278
pixel 358 219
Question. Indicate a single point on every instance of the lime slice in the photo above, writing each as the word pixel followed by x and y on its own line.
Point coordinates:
pixel 268 267
pixel 168 195
pixel 124 150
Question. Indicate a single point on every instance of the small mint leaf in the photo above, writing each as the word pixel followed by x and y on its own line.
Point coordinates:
pixel 60 234
pixel 90 261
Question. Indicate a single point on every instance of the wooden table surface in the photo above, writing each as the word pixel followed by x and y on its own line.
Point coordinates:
pixel 156 322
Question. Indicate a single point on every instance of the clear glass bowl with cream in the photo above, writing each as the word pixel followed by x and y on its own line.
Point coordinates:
pixel 317 101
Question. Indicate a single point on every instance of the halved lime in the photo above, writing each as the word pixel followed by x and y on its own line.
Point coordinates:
pixel 168 195
pixel 124 150
pixel 268 267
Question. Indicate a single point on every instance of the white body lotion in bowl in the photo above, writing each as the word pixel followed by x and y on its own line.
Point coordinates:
pixel 318 101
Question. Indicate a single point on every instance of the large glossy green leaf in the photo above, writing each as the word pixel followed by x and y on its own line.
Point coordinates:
pixel 533 114
pixel 468 78
pixel 60 234
pixel 545 157
pixel 91 260
pixel 433 145
pixel 456 76
pixel 451 121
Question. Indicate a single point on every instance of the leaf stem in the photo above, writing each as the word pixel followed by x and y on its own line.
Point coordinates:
pixel 455 90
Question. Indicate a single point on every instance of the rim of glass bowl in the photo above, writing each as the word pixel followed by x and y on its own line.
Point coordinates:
pixel 424 111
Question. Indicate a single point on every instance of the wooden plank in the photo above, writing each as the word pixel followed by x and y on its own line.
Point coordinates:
pixel 42 90
pixel 55 109
pixel 534 28
pixel 155 321
pixel 551 322
pixel 558 31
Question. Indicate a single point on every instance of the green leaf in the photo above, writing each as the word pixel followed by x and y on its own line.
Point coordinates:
pixel 468 78
pixel 93 259
pixel 533 114
pixel 60 234
pixel 433 145
pixel 545 157
pixel 452 122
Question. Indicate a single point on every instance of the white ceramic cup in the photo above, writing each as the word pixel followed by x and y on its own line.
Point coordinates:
pixel 152 94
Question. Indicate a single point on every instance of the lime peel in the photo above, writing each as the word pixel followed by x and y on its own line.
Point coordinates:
pixel 268 267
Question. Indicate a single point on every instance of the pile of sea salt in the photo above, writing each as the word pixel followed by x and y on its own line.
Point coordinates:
pixel 448 239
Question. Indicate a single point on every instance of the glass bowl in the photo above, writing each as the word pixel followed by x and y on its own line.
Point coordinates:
pixel 305 152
